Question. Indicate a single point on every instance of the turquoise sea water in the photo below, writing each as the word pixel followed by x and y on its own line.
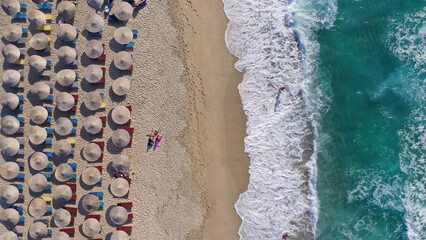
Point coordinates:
pixel 371 143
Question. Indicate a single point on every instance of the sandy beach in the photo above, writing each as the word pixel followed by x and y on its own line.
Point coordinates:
pixel 183 83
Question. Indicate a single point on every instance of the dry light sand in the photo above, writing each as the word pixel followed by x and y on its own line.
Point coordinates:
pixel 184 84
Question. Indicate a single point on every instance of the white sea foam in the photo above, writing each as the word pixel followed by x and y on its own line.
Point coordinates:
pixel 407 41
pixel 273 53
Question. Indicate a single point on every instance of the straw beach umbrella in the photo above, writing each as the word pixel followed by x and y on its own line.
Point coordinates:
pixel 38 114
pixel 93 73
pixel 11 53
pixel 67 32
pixel 66 54
pixel 92 124
pixel 92 152
pixel 63 126
pixel 11 77
pixel 120 115
pixel 11 7
pixel 123 60
pixel 91 227
pixel 38 161
pixel 10 124
pixel 121 86
pixel 9 216
pixel 10 100
pixel 66 77
pixel 62 148
pixel 9 194
pixel 121 163
pixel 39 41
pixel 63 172
pixel 9 146
pixel 94 23
pixel 37 182
pixel 38 230
pixel 93 101
pixel 120 138
pixel 37 207
pixel 120 235
pixel 37 135
pixel 9 235
pixel 12 32
pixel 66 9
pixel 123 10
pixel 94 49
pixel 120 187
pixel 62 193
pixel 9 170
pixel 37 63
pixel 90 203
pixel 123 35
pixel 91 176
pixel 36 18
pixel 95 4
pixel 41 90
pixel 64 101
pixel 118 215
pixel 62 218
pixel 60 236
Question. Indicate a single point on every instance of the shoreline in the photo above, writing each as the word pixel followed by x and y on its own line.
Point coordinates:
pixel 219 119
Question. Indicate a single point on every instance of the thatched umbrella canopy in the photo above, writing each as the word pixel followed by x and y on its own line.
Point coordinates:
pixel 93 73
pixel 64 101
pixel 38 114
pixel 60 236
pixel 37 18
pixel 37 135
pixel 93 101
pixel 92 124
pixel 120 235
pixel 62 148
pixel 9 216
pixel 63 126
pixel 67 32
pixel 37 63
pixel 66 9
pixel 123 10
pixel 37 207
pixel 11 53
pixel 66 54
pixel 92 152
pixel 11 77
pixel 121 163
pixel 121 86
pixel 123 60
pixel 90 203
pixel 10 100
pixel 12 32
pixel 94 49
pixel 9 170
pixel 37 183
pixel 11 7
pixel 38 230
pixel 63 172
pixel 62 218
pixel 120 187
pixel 94 23
pixel 39 41
pixel 123 35
pixel 10 124
pixel 120 115
pixel 9 235
pixel 9 146
pixel 91 176
pixel 118 215
pixel 66 77
pixel 120 138
pixel 41 90
pixel 62 193
pixel 39 161
pixel 9 194
pixel 91 227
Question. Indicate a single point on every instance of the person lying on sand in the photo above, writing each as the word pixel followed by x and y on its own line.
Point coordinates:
pixel 140 3
pixel 151 138
pixel 157 137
